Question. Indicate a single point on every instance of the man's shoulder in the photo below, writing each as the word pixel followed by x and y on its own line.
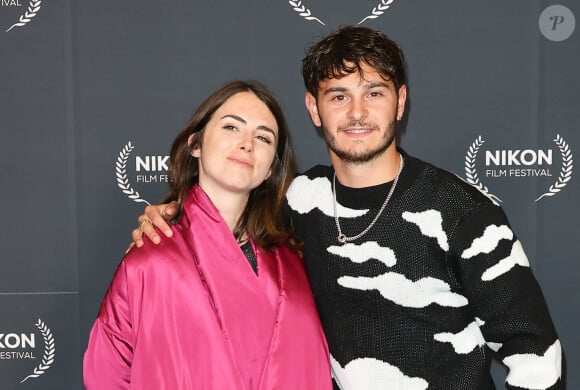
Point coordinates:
pixel 317 171
pixel 445 183
pixel 311 190
pixel 317 175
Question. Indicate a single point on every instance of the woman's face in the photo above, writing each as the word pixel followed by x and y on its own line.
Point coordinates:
pixel 238 146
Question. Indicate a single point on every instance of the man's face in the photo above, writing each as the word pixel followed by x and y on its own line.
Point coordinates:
pixel 357 114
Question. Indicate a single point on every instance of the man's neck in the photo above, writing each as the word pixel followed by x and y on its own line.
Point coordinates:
pixel 380 170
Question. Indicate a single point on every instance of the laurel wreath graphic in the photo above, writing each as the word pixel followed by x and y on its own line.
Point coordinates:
pixel 471 171
pixel 378 10
pixel 48 357
pixel 306 14
pixel 27 16
pixel 565 172
pixel 303 11
pixel 121 171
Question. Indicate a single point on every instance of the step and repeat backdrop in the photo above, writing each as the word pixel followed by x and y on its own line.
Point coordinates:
pixel 93 92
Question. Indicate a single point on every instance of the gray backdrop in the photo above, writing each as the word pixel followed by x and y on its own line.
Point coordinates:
pixel 93 92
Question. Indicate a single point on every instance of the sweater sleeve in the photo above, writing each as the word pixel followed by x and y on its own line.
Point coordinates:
pixel 506 299
pixel 107 360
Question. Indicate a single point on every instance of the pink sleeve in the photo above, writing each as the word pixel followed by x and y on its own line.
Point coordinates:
pixel 109 354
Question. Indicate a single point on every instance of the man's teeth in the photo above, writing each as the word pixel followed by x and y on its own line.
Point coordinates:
pixel 358 131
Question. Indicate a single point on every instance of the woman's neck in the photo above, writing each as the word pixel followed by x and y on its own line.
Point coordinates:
pixel 229 204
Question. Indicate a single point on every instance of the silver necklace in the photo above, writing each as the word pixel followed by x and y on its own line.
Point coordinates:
pixel 342 238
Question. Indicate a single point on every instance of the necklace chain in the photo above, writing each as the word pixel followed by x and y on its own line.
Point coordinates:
pixel 342 238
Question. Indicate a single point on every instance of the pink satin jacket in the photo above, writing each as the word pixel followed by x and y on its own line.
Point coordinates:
pixel 190 313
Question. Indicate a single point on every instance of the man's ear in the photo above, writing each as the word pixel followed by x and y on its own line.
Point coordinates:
pixel 197 151
pixel 402 101
pixel 312 108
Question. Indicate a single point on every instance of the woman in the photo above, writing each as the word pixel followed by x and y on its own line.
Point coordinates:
pixel 225 303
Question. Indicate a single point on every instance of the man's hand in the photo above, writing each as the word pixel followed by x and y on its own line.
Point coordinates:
pixel 155 215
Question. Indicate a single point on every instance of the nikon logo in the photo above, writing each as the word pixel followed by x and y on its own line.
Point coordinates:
pixel 148 170
pixel 17 341
pixel 524 157
pixel 519 163
pixel 151 163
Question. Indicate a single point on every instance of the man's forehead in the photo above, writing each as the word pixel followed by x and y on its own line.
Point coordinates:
pixel 356 78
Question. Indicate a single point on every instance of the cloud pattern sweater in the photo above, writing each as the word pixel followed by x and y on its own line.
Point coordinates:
pixel 425 298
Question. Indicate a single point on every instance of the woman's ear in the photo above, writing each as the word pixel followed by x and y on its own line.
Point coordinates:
pixel 269 174
pixel 197 151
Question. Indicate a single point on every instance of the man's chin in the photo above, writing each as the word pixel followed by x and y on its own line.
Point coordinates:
pixel 358 157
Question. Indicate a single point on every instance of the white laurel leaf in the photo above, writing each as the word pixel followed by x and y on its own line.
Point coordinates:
pixel 33 8
pixel 378 10
pixel 303 11
pixel 122 180
pixel 48 357
pixel 471 172
pixel 565 172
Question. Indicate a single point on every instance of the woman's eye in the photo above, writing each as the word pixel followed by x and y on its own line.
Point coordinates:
pixel 230 127
pixel 264 139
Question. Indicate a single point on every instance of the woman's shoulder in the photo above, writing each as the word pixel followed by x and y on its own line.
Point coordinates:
pixel 154 255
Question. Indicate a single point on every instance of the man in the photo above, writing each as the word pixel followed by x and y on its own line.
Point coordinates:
pixel 417 276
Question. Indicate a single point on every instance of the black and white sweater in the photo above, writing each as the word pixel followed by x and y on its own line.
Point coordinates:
pixel 423 299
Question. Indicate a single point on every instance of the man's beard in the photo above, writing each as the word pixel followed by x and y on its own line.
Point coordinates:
pixel 362 156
